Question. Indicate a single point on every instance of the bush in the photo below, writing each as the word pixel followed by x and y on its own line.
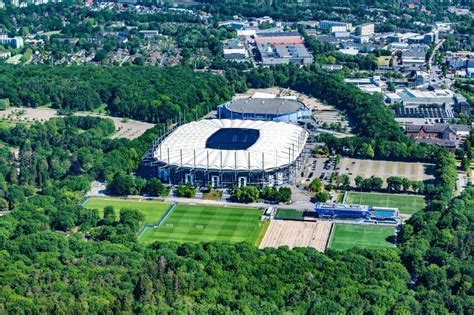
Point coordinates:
pixel 4 103
pixel 154 187
pixel 245 194
pixel 322 196
pixel 186 191
pixel 123 185
pixel 282 194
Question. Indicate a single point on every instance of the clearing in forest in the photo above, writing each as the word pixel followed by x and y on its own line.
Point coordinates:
pixel 346 236
pixel 197 223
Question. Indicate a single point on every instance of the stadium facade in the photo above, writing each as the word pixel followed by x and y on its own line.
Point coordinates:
pixel 226 152
pixel 277 109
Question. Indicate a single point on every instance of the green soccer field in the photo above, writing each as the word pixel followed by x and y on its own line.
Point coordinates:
pixel 407 204
pixel 152 210
pixel 346 236
pixel 191 223
pixel 289 214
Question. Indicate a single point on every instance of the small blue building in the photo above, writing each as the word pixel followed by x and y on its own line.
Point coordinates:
pixel 333 210
pixel 273 109
pixel 385 214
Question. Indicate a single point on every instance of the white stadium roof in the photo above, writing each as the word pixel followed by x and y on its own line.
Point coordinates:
pixel 278 144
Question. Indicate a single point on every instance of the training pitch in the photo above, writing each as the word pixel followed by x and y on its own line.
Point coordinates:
pixel 346 236
pixel 192 223
pixel 289 214
pixel 152 210
pixel 406 204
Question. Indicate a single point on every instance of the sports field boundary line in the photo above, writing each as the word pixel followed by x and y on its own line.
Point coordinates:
pixel 142 231
pixel 405 194
pixel 154 225
pixel 83 201
pixel 167 213
pixel 345 197
pixel 331 233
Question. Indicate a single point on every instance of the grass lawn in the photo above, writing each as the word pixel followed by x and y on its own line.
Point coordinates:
pixel 193 223
pixel 14 59
pixel 212 195
pixel 289 214
pixel 383 60
pixel 6 124
pixel 346 236
pixel 102 109
pixel 261 234
pixel 152 210
pixel 407 204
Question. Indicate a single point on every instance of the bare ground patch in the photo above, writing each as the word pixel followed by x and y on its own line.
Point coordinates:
pixel 126 128
pixel 297 234
pixel 384 169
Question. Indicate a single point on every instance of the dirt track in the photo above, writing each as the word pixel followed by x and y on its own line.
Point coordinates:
pixel 297 234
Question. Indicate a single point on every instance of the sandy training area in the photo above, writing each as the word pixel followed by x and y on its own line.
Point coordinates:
pixel 384 169
pixel 128 128
pixel 297 234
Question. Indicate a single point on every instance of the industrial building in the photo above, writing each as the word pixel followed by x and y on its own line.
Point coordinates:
pixel 415 55
pixel 415 98
pixel 236 51
pixel 325 25
pixel 282 48
pixel 367 29
pixel 275 109
pixel 225 152
pixel 423 115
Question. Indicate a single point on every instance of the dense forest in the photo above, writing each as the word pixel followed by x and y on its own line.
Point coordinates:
pixel 99 267
pixel 144 93
pixel 45 272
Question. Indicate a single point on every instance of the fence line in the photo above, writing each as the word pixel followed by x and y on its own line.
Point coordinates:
pixel 154 225
pixel 83 201
pixel 167 213
pixel 345 197
pixel 331 235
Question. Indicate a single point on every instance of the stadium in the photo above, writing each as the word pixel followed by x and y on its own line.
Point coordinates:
pixel 275 109
pixel 225 152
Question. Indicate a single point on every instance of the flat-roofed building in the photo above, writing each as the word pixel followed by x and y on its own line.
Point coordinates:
pixel 412 97
pixel 367 29
pixel 282 48
pixel 415 55
pixel 335 210
pixel 325 25
pixel 15 42
pixel 234 50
